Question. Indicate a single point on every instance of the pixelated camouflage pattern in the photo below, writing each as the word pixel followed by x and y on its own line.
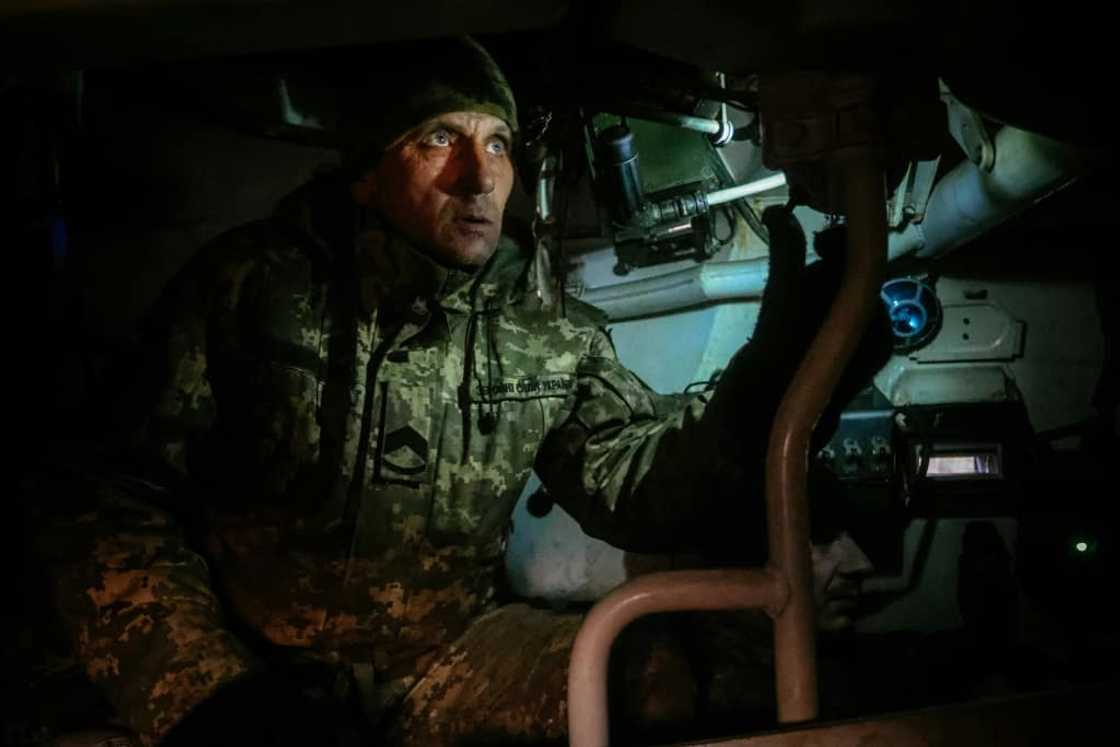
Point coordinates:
pixel 504 681
pixel 330 461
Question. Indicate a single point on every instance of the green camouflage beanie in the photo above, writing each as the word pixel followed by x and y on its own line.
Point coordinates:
pixel 411 83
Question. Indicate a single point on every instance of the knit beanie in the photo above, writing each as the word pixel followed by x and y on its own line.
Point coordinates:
pixel 408 84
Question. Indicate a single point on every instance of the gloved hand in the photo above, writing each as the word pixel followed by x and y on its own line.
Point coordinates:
pixel 756 377
pixel 822 282
pixel 831 244
pixel 269 709
pixel 794 305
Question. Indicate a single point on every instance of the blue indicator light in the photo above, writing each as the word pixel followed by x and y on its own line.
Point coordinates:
pixel 914 310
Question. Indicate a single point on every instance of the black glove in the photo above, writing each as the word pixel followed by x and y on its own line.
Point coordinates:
pixel 822 281
pixel 749 390
pixel 269 709
pixel 795 302
pixel 831 244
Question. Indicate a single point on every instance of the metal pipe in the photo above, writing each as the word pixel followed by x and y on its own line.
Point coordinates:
pixel 964 203
pixel 686 121
pixel 726 131
pixel 787 459
pixel 968 201
pixel 692 286
pixel 690 204
pixel 739 191
pixel 588 721
pixel 784 587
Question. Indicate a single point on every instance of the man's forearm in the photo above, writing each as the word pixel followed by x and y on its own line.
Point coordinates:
pixel 136 600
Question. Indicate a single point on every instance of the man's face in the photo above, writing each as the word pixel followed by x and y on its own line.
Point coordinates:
pixel 838 571
pixel 444 186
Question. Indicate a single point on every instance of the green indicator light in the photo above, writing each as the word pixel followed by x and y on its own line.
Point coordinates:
pixel 1082 546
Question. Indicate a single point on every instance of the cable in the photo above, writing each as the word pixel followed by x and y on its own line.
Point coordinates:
pixel 728 215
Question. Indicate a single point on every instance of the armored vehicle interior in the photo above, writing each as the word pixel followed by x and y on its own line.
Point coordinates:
pixel 973 471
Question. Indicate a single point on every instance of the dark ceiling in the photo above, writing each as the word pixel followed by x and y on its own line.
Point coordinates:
pixel 1042 66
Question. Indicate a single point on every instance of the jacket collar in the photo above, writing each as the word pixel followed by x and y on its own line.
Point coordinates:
pixel 388 269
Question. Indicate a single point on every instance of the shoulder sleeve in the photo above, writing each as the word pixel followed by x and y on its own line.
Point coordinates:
pixel 133 592
pixel 634 467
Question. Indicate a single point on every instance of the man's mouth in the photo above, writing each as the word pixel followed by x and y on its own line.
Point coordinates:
pixel 474 224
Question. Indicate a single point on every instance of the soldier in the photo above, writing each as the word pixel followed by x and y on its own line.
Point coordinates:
pixel 304 542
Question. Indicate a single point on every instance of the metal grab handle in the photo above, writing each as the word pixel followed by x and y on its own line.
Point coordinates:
pixel 787 459
pixel 732 589
pixel 784 587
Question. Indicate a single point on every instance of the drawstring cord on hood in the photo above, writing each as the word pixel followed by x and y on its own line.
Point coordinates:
pixel 489 418
pixel 464 383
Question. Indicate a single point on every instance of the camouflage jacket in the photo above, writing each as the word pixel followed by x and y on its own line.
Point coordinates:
pixel 332 445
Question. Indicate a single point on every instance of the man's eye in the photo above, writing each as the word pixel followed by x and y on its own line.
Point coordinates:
pixel 497 147
pixel 438 138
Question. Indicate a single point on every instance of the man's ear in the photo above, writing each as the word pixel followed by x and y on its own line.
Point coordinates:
pixel 364 190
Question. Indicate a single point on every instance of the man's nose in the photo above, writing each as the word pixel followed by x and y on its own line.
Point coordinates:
pixel 476 172
pixel 852 558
